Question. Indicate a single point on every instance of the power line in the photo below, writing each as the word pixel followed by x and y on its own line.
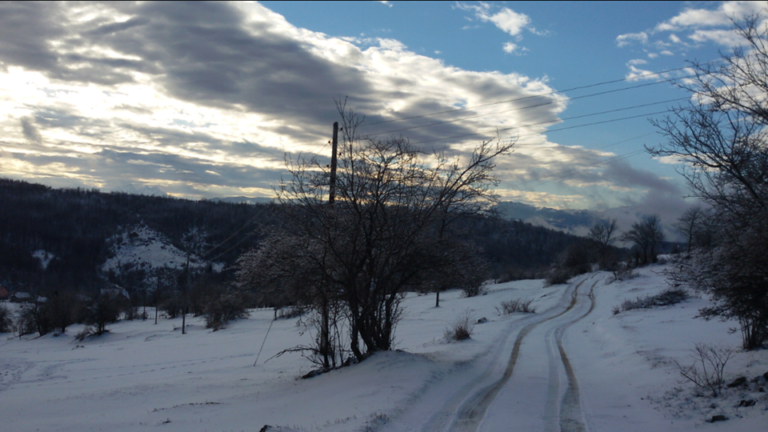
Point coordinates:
pixel 559 120
pixel 646 75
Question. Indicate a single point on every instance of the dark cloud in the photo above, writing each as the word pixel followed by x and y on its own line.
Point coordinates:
pixel 30 131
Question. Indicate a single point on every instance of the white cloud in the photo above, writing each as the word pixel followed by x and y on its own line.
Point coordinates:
pixel 667 53
pixel 673 37
pixel 386 3
pixel 510 21
pixel 627 38
pixel 509 47
pixel 727 38
pixel 505 19
pixel 636 62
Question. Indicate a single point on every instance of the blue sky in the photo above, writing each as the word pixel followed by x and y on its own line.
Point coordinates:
pixel 204 100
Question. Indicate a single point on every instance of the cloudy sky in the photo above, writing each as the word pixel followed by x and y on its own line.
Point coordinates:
pixel 204 100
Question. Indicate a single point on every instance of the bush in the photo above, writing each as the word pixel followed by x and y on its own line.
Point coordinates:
pixel 25 321
pixel 623 273
pixel 34 317
pixel 667 297
pixel 516 305
pixel 558 275
pixel 6 320
pixel 105 310
pixel 227 307
pixel 461 328
pixel 83 334
pixel 712 361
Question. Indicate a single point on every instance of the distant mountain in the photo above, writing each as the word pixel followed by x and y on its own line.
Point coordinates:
pixel 242 199
pixel 578 222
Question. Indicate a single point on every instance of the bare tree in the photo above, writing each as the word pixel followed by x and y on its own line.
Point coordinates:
pixel 646 235
pixel 690 224
pixel 394 206
pixel 603 232
pixel 720 137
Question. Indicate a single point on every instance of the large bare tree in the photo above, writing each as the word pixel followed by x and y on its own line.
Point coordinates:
pixel 720 138
pixel 390 222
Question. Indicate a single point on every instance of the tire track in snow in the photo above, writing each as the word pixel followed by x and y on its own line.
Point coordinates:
pixel 571 417
pixel 472 412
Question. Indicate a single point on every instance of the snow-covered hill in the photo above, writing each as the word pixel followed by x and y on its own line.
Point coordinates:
pixel 619 374
pixel 142 248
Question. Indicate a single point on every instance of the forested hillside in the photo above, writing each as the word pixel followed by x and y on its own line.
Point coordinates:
pixel 62 239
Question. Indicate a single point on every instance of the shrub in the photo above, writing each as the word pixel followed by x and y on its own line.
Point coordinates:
pixel 667 297
pixel 83 334
pixel 515 305
pixel 34 317
pixel 6 320
pixel 712 361
pixel 461 328
pixel 104 311
pixel 225 308
pixel 25 321
pixel 558 275
pixel 623 273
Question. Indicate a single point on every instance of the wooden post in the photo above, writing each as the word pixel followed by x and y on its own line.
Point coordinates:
pixel 325 342
pixel 332 186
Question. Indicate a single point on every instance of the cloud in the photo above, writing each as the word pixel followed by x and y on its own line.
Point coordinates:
pixel 509 47
pixel 30 131
pixel 507 20
pixel 386 3
pixel 626 39
pixel 206 98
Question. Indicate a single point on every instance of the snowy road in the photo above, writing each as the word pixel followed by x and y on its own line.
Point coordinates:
pixel 525 380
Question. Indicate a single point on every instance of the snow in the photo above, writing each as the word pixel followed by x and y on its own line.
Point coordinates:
pixel 44 257
pixel 143 248
pixel 143 376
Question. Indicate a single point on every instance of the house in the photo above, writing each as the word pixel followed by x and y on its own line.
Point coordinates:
pixel 4 293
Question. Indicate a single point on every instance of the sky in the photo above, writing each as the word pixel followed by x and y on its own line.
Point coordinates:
pixel 205 100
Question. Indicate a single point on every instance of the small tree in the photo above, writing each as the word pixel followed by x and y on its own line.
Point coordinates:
pixel 603 234
pixel 62 310
pixel 105 310
pixel 646 235
pixel 690 224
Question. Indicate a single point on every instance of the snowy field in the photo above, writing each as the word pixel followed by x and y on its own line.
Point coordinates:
pixel 573 365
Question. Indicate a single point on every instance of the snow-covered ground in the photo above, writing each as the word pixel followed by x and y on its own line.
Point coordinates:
pixel 573 365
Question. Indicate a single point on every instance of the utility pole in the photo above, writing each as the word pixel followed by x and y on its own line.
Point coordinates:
pixel 334 147
pixel 325 348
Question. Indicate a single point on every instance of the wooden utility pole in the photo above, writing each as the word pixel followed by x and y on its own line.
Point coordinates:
pixel 325 348
pixel 335 145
